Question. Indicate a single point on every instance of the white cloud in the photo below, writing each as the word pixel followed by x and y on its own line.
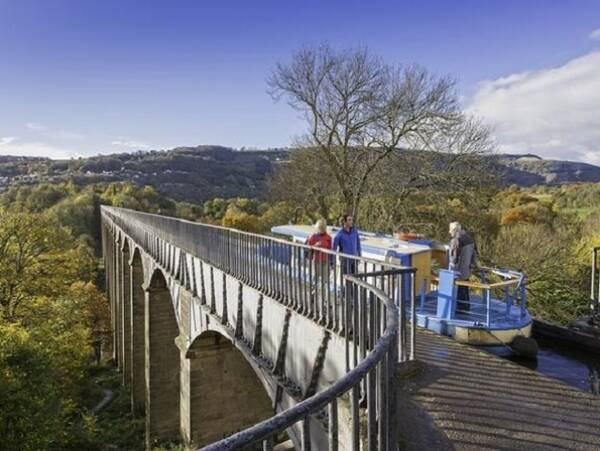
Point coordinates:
pixel 7 140
pixel 65 135
pixel 11 145
pixel 59 134
pixel 553 112
pixel 130 143
pixel 595 35
pixel 36 127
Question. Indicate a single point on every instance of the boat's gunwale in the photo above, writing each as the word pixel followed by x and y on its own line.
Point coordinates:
pixel 519 318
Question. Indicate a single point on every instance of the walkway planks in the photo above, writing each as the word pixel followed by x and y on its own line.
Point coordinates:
pixel 466 399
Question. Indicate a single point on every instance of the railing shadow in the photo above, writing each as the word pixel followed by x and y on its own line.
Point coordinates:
pixel 483 402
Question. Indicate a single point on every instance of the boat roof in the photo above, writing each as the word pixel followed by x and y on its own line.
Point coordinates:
pixel 373 243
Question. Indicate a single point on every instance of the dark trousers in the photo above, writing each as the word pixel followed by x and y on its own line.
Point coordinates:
pixel 348 266
pixel 462 294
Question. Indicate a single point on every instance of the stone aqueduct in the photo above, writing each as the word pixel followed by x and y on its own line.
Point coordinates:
pixel 225 342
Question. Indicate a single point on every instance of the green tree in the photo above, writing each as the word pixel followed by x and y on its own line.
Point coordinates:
pixel 215 208
pixel 44 196
pixel 81 215
pixel 32 407
pixel 94 313
pixel 555 279
pixel 37 258
pixel 280 213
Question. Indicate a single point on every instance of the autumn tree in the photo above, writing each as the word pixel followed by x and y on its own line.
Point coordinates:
pixel 556 281
pixel 93 309
pixel 37 258
pixel 30 394
pixel 280 213
pixel 361 111
pixel 305 182
pixel 238 219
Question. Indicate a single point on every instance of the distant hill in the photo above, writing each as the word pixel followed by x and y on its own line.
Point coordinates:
pixel 195 174
pixel 192 174
pixel 529 170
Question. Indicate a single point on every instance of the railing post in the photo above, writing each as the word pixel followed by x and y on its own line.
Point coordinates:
pixel 523 298
pixel 488 305
pixel 597 282
pixel 268 444
pixel 413 318
pixel 333 425
pixel 306 434
pixel 228 269
pixel 371 389
pixel 391 362
pixel 352 308
pixel 346 327
pixel 355 417
pixel 595 299
pixel 399 301
pixel 383 400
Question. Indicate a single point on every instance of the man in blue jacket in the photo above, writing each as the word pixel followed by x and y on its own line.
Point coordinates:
pixel 347 241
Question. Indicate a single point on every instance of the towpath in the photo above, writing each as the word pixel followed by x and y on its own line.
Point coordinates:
pixel 459 397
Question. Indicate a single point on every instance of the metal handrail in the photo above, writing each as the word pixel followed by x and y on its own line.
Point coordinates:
pixel 276 267
pixel 367 317
pixel 505 283
pixel 383 352
pixel 514 281
pixel 595 288
pixel 112 210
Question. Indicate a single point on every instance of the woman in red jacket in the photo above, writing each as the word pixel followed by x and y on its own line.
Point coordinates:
pixel 320 261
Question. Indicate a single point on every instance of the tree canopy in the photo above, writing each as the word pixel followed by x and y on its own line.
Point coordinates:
pixel 361 112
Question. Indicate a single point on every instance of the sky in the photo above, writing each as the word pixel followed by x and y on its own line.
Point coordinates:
pixel 83 77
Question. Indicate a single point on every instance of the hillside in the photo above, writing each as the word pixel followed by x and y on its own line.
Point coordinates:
pixel 196 174
pixel 529 170
pixel 192 174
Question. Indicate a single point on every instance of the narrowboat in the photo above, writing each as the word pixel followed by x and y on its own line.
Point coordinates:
pixel 496 312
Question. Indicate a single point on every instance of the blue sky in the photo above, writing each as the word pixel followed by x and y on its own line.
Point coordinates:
pixel 82 77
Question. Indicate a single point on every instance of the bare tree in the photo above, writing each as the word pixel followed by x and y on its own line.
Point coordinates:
pixel 361 111
pixel 305 181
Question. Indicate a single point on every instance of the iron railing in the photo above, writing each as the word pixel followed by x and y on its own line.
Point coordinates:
pixel 595 288
pixel 369 383
pixel 291 273
pixel 503 285
pixel 361 299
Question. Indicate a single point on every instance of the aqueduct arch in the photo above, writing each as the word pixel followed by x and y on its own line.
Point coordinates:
pixel 162 362
pixel 125 319
pixel 117 324
pixel 137 295
pixel 220 392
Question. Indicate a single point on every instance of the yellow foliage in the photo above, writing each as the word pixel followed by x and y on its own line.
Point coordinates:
pixel 241 220
pixel 531 213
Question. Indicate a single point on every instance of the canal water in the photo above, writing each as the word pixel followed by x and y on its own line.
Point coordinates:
pixel 572 366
